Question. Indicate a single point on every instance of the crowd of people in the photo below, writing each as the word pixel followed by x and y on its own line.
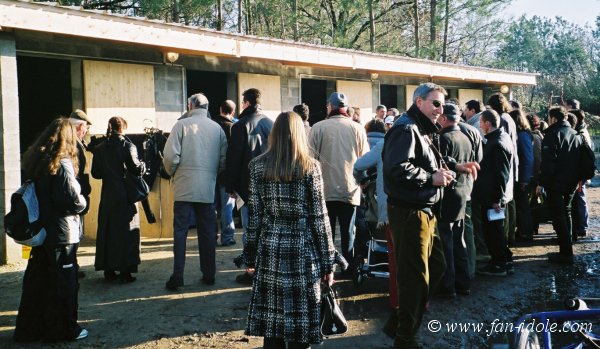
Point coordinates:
pixel 452 186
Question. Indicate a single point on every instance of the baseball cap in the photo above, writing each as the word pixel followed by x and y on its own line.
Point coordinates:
pixel 451 111
pixel 338 100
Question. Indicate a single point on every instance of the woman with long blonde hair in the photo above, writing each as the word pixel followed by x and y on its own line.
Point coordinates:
pixel 48 309
pixel 288 239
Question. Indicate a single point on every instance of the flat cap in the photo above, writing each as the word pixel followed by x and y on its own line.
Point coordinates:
pixel 80 115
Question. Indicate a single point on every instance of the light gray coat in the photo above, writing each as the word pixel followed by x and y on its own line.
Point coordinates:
pixel 194 154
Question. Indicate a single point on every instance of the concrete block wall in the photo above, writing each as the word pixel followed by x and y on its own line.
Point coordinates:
pixel 10 162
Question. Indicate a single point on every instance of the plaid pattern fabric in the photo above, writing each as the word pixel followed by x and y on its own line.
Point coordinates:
pixel 289 240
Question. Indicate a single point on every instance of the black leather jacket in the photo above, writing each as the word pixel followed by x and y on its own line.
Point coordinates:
pixel 61 203
pixel 494 184
pixel 248 140
pixel 409 162
pixel 560 158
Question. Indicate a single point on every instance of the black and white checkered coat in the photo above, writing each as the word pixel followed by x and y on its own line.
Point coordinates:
pixel 289 240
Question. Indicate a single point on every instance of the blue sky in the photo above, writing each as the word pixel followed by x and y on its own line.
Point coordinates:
pixel 578 11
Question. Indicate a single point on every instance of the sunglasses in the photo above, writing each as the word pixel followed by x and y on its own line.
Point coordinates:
pixel 436 103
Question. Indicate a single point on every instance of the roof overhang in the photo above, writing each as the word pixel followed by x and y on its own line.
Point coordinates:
pixel 76 22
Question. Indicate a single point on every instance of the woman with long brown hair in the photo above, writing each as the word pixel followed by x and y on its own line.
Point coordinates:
pixel 118 234
pixel 288 239
pixel 48 309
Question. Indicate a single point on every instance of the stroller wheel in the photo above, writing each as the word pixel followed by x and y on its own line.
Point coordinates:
pixel 357 271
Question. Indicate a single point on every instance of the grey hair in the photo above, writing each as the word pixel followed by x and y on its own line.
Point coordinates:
pixel 198 101
pixel 424 89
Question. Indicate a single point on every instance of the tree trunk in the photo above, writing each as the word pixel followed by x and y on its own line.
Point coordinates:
pixel 445 44
pixel 240 15
pixel 295 13
pixel 371 27
pixel 432 28
pixel 248 14
pixel 416 19
pixel 219 14
pixel 175 12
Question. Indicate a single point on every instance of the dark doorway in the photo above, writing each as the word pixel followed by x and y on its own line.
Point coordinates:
pixel 44 94
pixel 314 94
pixel 212 84
pixel 389 96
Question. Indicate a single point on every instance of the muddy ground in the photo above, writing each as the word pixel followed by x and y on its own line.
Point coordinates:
pixel 145 315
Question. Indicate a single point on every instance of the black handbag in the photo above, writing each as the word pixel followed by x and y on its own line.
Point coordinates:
pixel 333 321
pixel 136 187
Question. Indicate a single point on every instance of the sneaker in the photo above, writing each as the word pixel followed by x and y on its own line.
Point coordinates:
pixel 173 284
pixel 244 279
pixel 83 334
pixel 228 243
pixel 510 268
pixel 492 270
pixel 560 258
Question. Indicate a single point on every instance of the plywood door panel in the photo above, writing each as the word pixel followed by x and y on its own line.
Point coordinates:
pixel 466 94
pixel 270 88
pixel 359 94
pixel 119 89
pixel 410 91
pixel 125 90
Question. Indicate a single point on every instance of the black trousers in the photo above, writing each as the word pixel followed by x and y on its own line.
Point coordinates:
pixel 495 239
pixel 560 209
pixel 456 276
pixel 524 219
pixel 48 309
pixel 345 214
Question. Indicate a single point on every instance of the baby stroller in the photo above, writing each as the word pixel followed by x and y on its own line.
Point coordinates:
pixel 375 262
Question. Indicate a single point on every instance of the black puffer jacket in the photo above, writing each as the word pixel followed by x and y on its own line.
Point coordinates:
pixel 409 163
pixel 560 158
pixel 494 184
pixel 249 138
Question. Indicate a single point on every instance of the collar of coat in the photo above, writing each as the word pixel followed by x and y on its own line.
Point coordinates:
pixel 250 110
pixel 198 112
pixel 425 125
pixel 494 134
pixel 449 129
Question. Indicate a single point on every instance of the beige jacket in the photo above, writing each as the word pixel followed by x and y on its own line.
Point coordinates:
pixel 194 154
pixel 337 142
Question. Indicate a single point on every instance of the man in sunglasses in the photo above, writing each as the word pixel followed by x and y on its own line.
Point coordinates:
pixel 414 176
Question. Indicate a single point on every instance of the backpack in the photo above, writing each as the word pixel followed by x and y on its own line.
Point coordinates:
pixel 587 161
pixel 23 223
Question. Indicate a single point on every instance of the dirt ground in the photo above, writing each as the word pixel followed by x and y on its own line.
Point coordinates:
pixel 144 314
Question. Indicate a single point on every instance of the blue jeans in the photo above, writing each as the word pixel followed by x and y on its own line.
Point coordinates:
pixel 206 223
pixel 580 212
pixel 225 205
